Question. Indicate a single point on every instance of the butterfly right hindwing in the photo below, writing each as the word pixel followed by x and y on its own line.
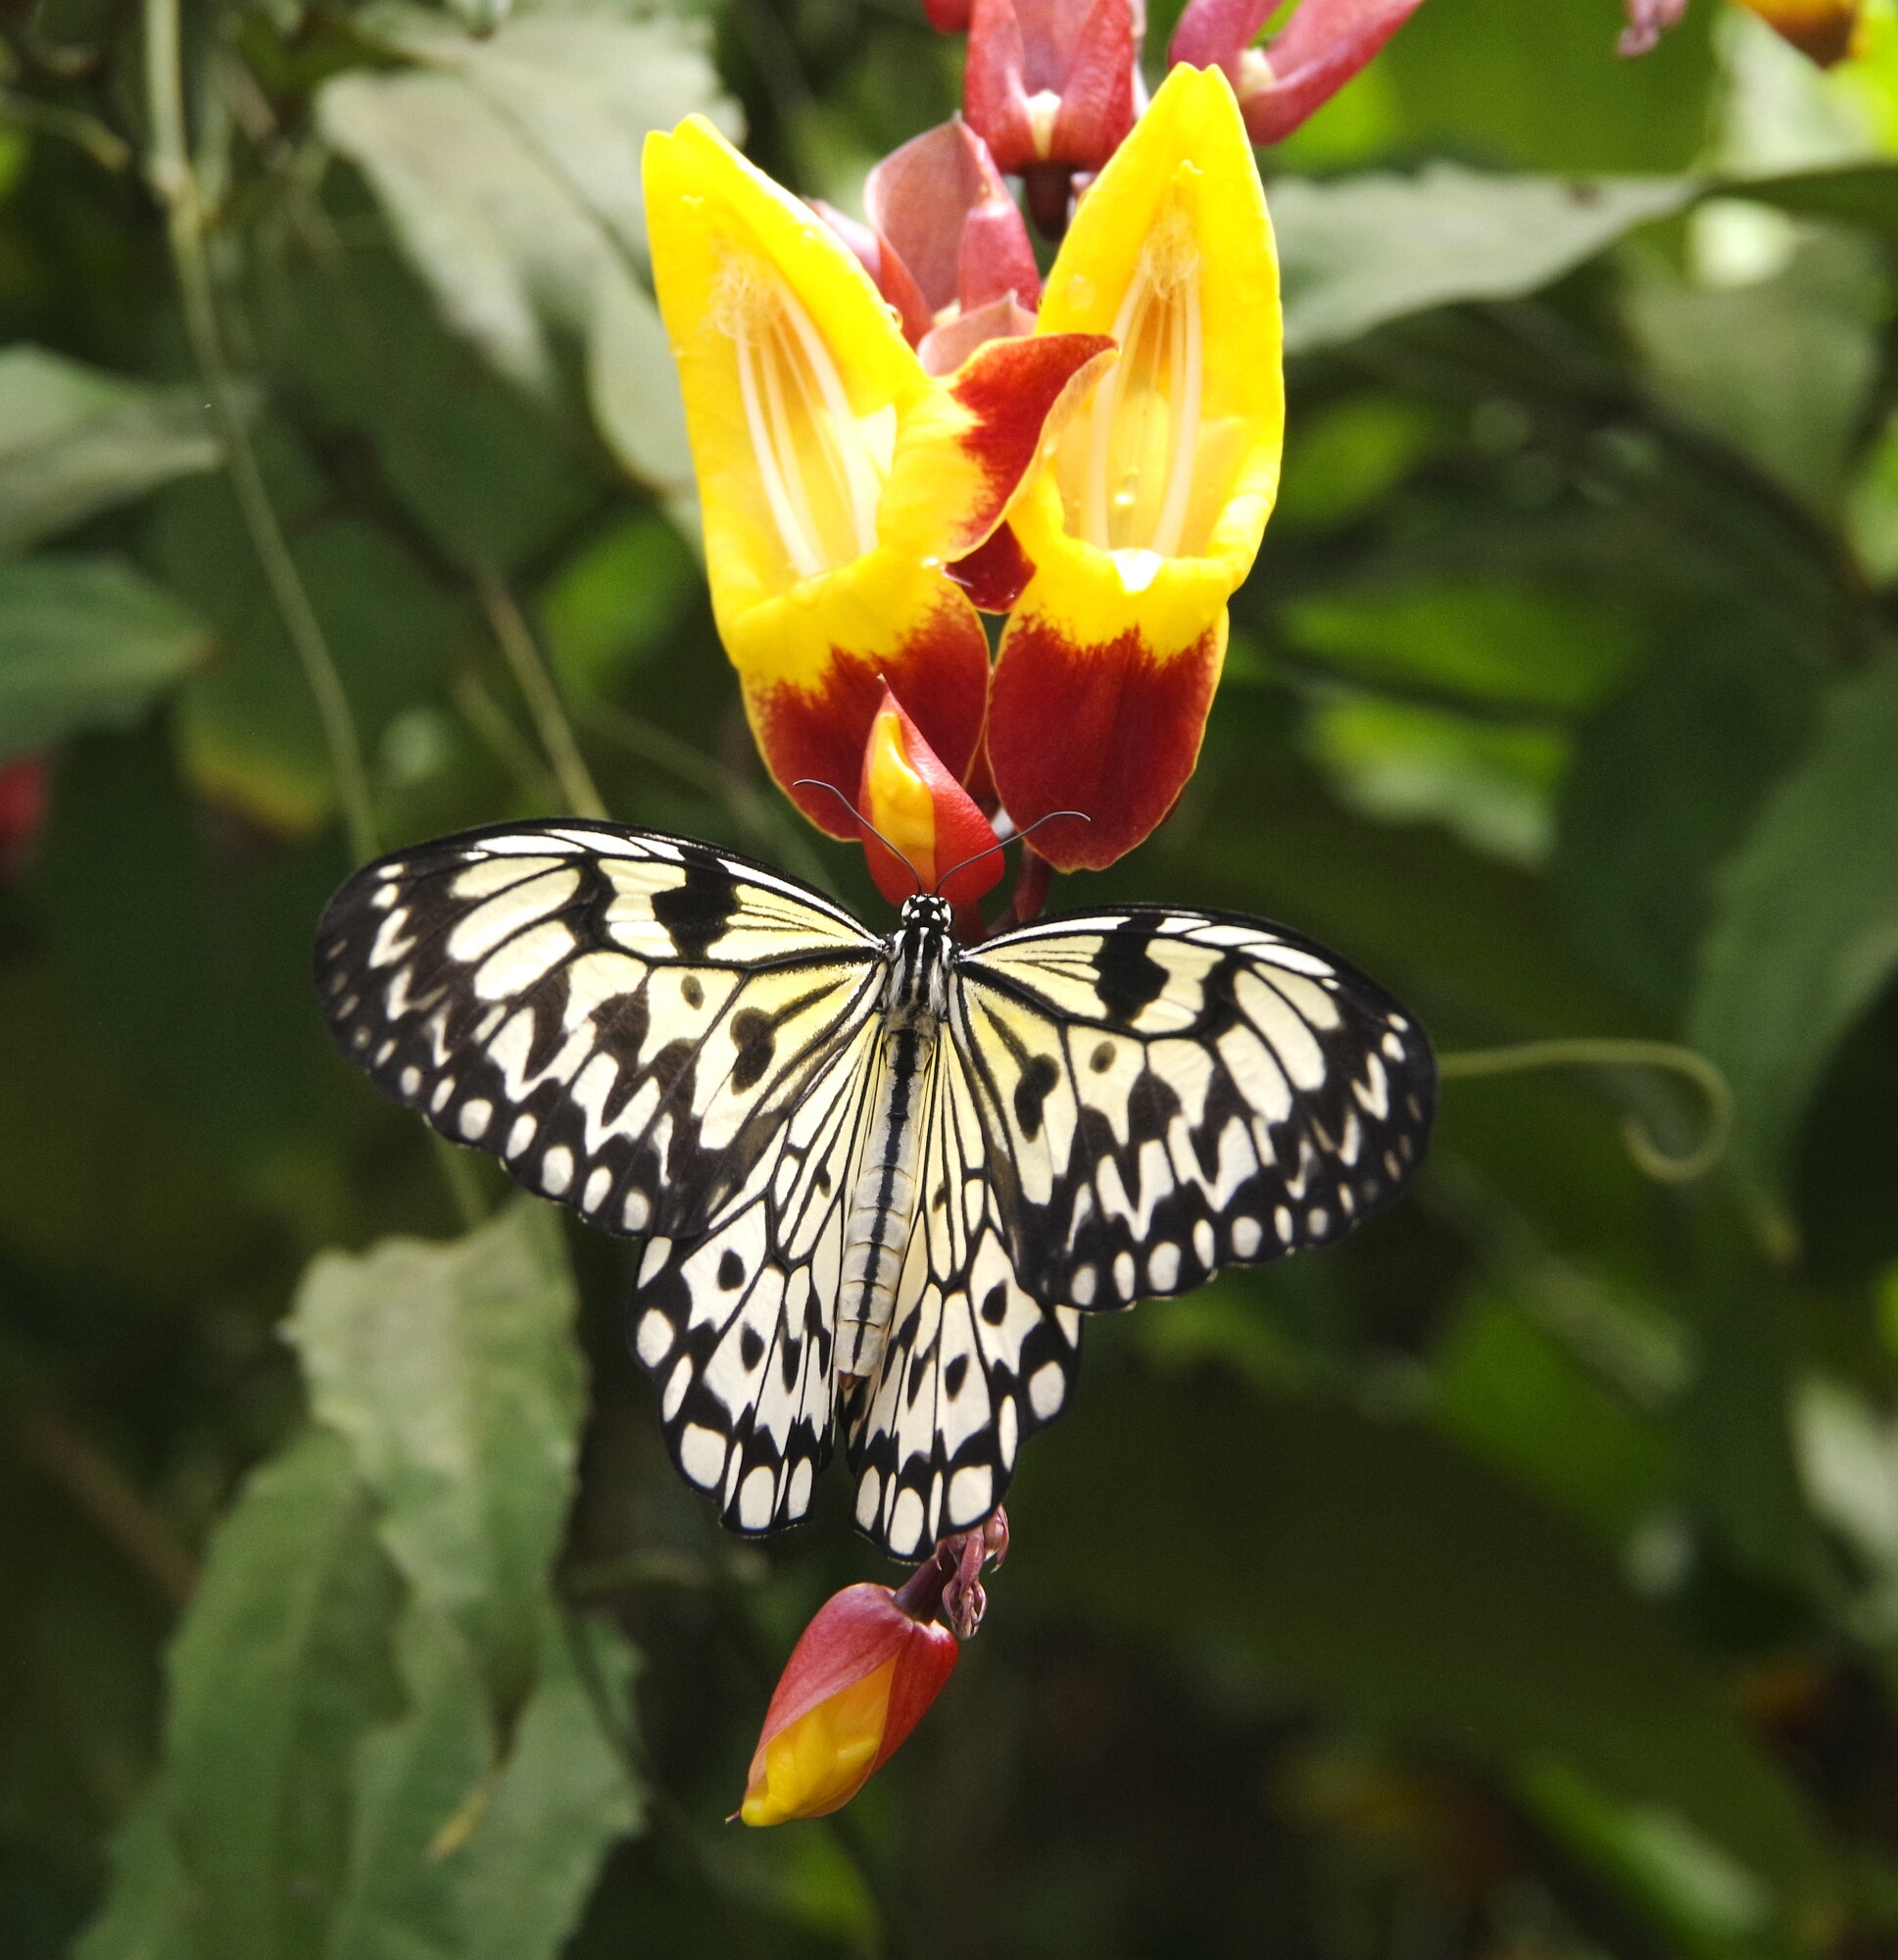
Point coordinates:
pixel 975 1364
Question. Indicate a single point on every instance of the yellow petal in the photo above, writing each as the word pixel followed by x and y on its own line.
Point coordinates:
pixel 796 376
pixel 821 1760
pixel 1171 252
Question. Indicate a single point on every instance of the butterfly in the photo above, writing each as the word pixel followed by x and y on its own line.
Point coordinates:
pixel 880 1179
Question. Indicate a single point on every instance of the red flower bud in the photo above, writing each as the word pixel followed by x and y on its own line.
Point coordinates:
pixel 940 201
pixel 858 1681
pixel 1050 86
pixel 1325 43
pixel 932 836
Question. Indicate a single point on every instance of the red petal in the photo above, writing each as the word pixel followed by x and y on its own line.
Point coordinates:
pixel 992 96
pixel 924 1664
pixel 1097 98
pixel 1324 45
pixel 943 349
pixel 940 201
pixel 1106 729
pixel 1013 387
pixel 1212 33
pixel 963 857
pixel 995 573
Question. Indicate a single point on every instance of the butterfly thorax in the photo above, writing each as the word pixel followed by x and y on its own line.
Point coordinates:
pixel 884 1202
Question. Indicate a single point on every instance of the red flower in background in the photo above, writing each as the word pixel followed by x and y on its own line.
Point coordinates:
pixel 1324 44
pixel 24 786
pixel 1052 87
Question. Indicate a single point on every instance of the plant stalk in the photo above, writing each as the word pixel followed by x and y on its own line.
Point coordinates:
pixel 168 167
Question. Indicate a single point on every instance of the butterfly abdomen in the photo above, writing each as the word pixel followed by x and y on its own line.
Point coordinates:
pixel 884 1202
pixel 883 1206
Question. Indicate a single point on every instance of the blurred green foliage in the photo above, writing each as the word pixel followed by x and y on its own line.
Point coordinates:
pixel 1520 1579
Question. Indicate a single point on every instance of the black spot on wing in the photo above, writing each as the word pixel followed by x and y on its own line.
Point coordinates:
pixel 1126 976
pixel 756 1042
pixel 696 913
pixel 1032 1090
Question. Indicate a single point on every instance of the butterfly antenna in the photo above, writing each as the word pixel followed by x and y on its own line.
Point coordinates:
pixel 1002 843
pixel 812 783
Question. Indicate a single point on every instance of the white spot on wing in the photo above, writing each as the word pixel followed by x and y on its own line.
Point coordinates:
pixel 702 1455
pixel 1046 1387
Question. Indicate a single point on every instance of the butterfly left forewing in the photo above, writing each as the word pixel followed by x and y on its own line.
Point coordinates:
pixel 974 1364
pixel 624 1019
pixel 1166 1092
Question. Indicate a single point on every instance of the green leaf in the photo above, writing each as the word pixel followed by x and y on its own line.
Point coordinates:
pixel 1712 1906
pixel 1372 1567
pixel 86 643
pixel 193 963
pixel 1780 367
pixel 455 1855
pixel 1494 640
pixel 1540 87
pixel 1665 782
pixel 1512 1394
pixel 566 1798
pixel 489 475
pixel 1369 248
pixel 416 1779
pixel 96 1185
pixel 74 441
pixel 1491 783
pixel 278 1672
pixel 508 168
pixel 145 1913
pixel 1806 932
pixel 617 602
pixel 453 1372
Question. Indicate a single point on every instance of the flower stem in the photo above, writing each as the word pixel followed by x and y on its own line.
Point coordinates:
pixel 1588 1053
pixel 169 167
pixel 516 641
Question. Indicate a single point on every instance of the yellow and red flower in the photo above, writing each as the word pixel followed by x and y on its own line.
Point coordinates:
pixel 837 478
pixel 860 1677
pixel 1104 480
pixel 1148 510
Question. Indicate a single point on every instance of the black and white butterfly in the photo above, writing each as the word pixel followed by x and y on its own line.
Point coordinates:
pixel 876 1177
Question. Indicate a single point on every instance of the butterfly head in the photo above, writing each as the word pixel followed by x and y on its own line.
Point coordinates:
pixel 927 911
pixel 919 958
